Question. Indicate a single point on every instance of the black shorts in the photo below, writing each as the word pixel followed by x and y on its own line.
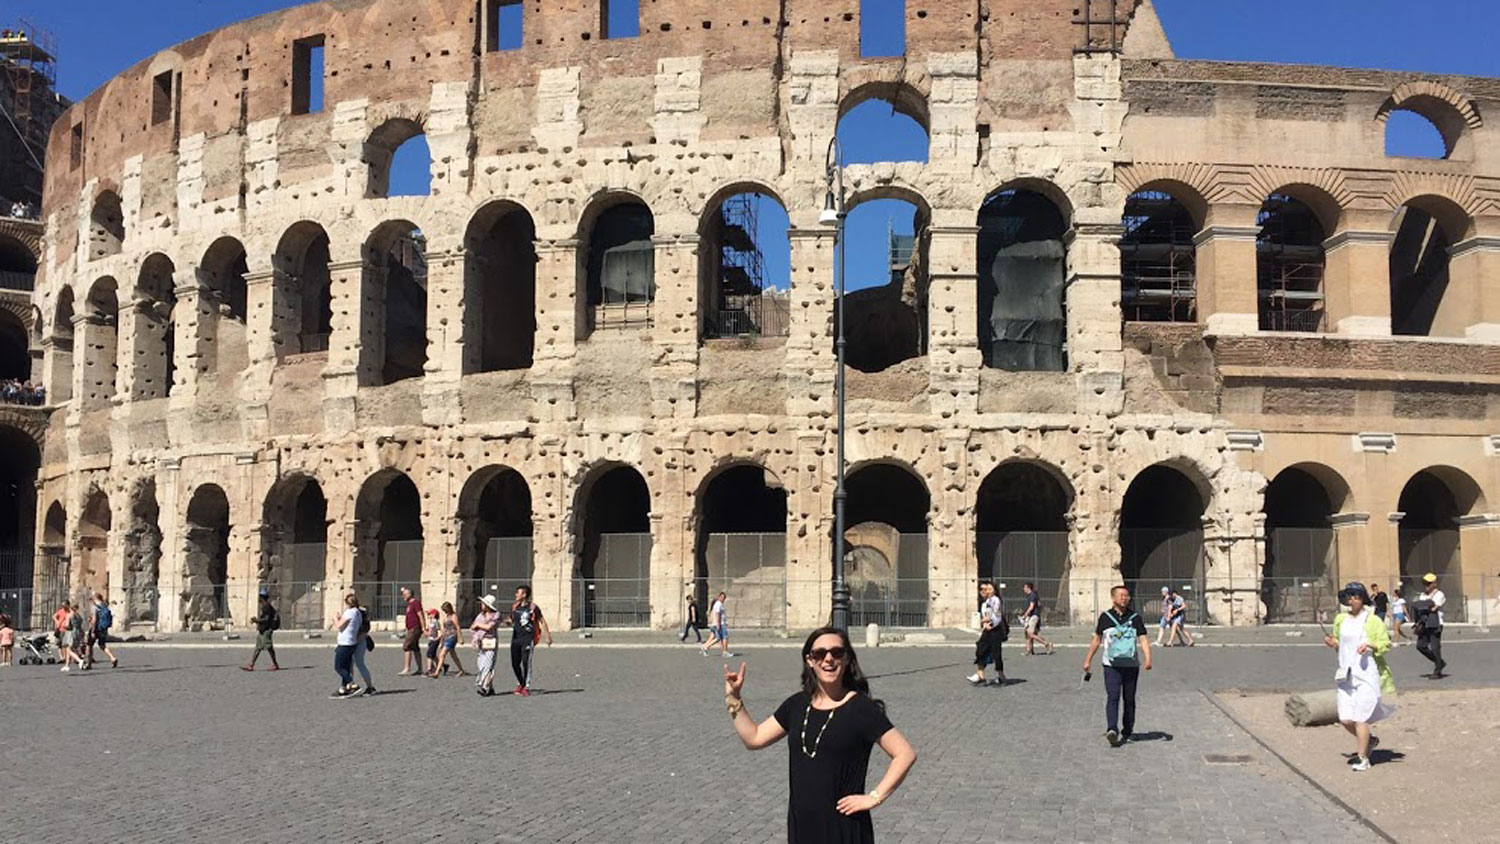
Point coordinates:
pixel 98 638
pixel 432 647
pixel 987 649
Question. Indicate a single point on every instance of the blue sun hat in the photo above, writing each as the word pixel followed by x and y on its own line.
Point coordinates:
pixel 1352 588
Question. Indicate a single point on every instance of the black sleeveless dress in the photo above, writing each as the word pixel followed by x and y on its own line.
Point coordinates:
pixel 829 760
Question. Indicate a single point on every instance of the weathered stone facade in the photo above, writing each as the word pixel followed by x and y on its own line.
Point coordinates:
pixel 190 370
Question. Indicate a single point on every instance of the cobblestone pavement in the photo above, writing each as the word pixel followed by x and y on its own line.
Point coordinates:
pixel 634 746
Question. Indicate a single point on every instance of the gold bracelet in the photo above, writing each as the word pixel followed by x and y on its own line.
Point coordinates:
pixel 879 798
pixel 734 707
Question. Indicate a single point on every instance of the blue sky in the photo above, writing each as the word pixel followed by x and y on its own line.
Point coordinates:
pixel 98 38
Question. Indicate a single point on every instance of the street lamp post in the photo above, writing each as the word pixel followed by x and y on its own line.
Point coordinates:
pixel 835 214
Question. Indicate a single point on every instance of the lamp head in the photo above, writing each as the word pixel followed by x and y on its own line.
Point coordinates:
pixel 830 215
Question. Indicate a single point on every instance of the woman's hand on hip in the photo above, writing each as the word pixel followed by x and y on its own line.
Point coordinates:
pixel 856 803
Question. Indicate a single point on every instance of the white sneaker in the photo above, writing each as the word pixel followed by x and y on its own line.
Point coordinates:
pixel 64 669
pixel 1362 765
pixel 975 680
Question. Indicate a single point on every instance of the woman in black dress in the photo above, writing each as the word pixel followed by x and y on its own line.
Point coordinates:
pixel 833 723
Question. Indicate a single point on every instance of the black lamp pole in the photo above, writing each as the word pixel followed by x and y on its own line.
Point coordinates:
pixel 835 213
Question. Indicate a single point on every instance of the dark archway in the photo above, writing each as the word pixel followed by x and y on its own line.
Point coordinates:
pixel 91 543
pixel 500 289
pixel 388 542
pixel 60 371
pixel 1289 266
pixel 1301 572
pixel 886 282
pixel 744 266
pixel 15 352
pixel 399 160
pixel 495 528
pixel 741 545
pixel 1429 538
pixel 302 313
pixel 1021 535
pixel 225 312
pixel 155 338
pixel 614 544
pixel 1161 539
pixel 886 545
pixel 143 545
pixel 294 564
pixel 618 264
pixel 1158 260
pixel 1022 261
pixel 100 345
pixel 395 279
pixel 1426 229
pixel 20 458
pixel 205 587
pixel 106 226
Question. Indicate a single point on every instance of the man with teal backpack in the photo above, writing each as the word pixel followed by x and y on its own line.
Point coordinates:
pixel 103 620
pixel 1126 651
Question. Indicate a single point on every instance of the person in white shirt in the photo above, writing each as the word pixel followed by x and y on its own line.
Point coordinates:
pixel 1430 625
pixel 718 627
pixel 343 653
pixel 991 634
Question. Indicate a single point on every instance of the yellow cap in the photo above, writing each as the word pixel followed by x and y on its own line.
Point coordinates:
pixel 1429 578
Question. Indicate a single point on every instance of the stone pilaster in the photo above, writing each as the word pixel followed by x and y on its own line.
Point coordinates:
pixel 810 363
pixel 954 357
pixel 1226 267
pixel 674 328
pixel 558 329
pixel 1093 316
pixel 1356 282
pixel 346 346
pixel 445 337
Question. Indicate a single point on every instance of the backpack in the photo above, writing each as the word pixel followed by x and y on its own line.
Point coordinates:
pixel 1121 652
pixel 103 618
pixel 275 619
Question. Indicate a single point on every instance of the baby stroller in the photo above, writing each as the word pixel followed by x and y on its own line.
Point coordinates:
pixel 40 648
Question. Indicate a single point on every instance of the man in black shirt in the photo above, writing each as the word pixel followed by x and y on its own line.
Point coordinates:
pixel 1127 649
pixel 267 621
pixel 1381 601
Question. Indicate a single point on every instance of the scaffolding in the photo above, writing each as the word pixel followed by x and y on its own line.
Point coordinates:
pixel 741 306
pixel 31 101
pixel 902 247
pixel 1289 266
pixel 1158 263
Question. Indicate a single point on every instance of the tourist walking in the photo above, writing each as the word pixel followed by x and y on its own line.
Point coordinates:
pixel 1122 633
pixel 411 639
pixel 993 630
pixel 101 619
pixel 833 722
pixel 1177 619
pixel 1165 624
pixel 267 621
pixel 365 644
pixel 448 630
pixel 348 625
pixel 69 634
pixel 1379 601
pixel 1362 680
pixel 718 627
pixel 1429 623
pixel 1398 615
pixel 691 622
pixel 434 640
pixel 7 639
pixel 527 627
pixel 1031 620
pixel 486 642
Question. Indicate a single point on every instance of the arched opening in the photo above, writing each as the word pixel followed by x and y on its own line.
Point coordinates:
pixel 883 122
pixel 399 160
pixel 741 545
pixel 1426 229
pixel 302 314
pixel 19 460
pixel 155 338
pixel 1023 324
pixel 1411 134
pixel 142 541
pixel 619 264
pixel 494 551
pixel 294 562
pixel 613 578
pixel 395 282
pixel 1021 535
pixel 15 359
pixel 886 282
pixel 224 313
pixel 388 541
pixel 1161 540
pixel 55 528
pixel 744 267
pixel 91 543
pixel 885 542
pixel 499 289
pixel 1158 261
pixel 1429 537
pixel 17 265
pixel 106 226
pixel 1289 265
pixel 205 586
pixel 60 370
pixel 1301 571
pixel 100 342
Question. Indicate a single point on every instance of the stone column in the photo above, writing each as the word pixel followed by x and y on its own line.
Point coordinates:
pixel 1093 314
pixel 127 361
pixel 953 320
pixel 93 382
pixel 346 352
pixel 810 363
pixel 1479 539
pixel 264 353
pixel 57 364
pixel 191 348
pixel 552 551
pixel 1354 540
pixel 558 330
pixel 1226 270
pixel 1356 276
pixel 809 527
pixel 951 565
pixel 674 328
pixel 1471 304
pixel 446 337
pixel 171 569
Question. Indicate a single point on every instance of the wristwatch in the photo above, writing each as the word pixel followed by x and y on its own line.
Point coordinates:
pixel 877 796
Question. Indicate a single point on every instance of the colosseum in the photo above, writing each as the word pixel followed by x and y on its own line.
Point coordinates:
pixel 1161 321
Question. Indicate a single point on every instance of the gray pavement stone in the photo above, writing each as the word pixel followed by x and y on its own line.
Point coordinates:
pixel 634 745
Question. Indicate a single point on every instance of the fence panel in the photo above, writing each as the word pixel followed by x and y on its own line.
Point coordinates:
pixel 751 569
pixel 507 565
pixel 897 594
pixel 619 592
pixel 1301 573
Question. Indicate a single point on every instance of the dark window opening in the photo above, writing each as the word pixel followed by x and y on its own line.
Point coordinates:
pixel 745 269
pixel 106 226
pixel 1301 568
pixel 227 293
pixel 155 341
pixel 621 269
pixel 1022 266
pixel 388 541
pixel 307 75
pixel 620 18
pixel 741 545
pixel 882 28
pixel 15 359
pixel 1161 540
pixel 505 25
pixel 885 546
pixel 317 298
pixel 163 97
pixel 1289 266
pixel 399 159
pixel 886 284
pixel 1021 535
pixel 495 537
pixel 614 561
pixel 500 290
pixel 399 279
pixel 1419 271
pixel 1158 269
pixel 1429 539
pixel 75 147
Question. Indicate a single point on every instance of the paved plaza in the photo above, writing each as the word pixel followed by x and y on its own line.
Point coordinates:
pixel 632 745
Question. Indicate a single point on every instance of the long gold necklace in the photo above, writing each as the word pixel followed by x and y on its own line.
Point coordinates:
pixel 806 716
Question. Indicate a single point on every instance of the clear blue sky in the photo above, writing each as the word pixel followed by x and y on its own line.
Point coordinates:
pixel 98 38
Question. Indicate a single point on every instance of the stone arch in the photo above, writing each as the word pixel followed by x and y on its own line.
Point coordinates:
pixel 142 541
pixel 380 150
pixel 223 314
pixel 205 586
pixel 1294 222
pixel 500 265
pixel 1427 227
pixel 91 542
pixel 1022 522
pixel 887 319
pixel 737 286
pixel 100 344
pixel 155 313
pixel 1454 115
pixel 20 459
pixel 394 345
pixel 495 525
pixel 294 544
pixel 904 98
pixel 1301 558
pixel 616 262
pixel 740 521
pixel 302 291
pixel 59 375
pixel 106 225
pixel 389 540
pixel 1022 264
pixel 885 540
pixel 1158 254
pixel 15 351
pixel 55 527
pixel 612 523
pixel 20 250
pixel 1161 520
pixel 1435 506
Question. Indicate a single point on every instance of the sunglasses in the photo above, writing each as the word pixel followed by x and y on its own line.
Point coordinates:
pixel 820 654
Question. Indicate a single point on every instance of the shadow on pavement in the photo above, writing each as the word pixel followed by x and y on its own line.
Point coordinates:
pixel 1151 735
pixel 944 667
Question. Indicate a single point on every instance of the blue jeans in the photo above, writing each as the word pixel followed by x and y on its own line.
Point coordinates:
pixel 343 663
pixel 359 663
pixel 1120 683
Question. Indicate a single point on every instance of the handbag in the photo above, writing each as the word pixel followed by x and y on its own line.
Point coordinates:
pixel 369 643
pixel 489 643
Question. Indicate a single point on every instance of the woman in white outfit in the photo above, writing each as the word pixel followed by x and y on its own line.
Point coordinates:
pixel 1362 680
